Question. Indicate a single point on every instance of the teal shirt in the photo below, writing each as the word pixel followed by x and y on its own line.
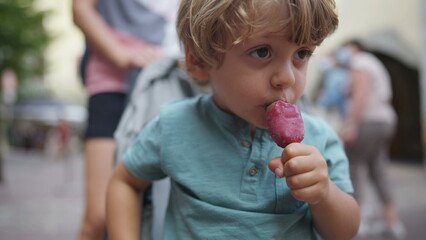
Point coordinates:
pixel 221 186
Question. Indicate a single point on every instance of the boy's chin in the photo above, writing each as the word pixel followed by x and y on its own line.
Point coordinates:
pixel 261 125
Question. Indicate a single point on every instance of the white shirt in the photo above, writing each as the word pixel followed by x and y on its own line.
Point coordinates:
pixel 378 106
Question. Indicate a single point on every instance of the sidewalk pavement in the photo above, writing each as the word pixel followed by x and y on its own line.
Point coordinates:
pixel 408 183
pixel 41 198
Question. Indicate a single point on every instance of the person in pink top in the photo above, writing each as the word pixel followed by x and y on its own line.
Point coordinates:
pixel 367 131
pixel 104 75
pixel 122 36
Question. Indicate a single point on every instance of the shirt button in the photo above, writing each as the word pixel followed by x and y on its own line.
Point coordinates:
pixel 252 171
pixel 246 144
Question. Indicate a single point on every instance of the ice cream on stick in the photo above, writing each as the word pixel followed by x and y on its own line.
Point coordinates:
pixel 285 123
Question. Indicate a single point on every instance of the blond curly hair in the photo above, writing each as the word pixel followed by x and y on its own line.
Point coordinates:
pixel 208 28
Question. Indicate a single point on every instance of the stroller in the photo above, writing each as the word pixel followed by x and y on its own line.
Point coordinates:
pixel 159 83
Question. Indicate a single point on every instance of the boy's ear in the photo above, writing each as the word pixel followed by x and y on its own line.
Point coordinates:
pixel 196 67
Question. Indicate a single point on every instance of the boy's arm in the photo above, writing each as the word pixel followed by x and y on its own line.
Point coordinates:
pixel 337 215
pixel 124 204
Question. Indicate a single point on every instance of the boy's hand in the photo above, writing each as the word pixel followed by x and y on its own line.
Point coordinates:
pixel 305 170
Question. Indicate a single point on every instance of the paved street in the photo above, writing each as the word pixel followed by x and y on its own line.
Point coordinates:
pixel 41 197
pixel 409 190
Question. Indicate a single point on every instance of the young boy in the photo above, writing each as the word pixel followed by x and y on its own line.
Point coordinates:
pixel 229 179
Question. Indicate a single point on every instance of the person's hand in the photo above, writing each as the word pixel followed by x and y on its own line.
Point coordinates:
pixel 349 134
pixel 305 170
pixel 137 58
pixel 144 57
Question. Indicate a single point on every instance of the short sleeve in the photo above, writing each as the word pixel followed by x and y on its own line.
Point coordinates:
pixel 143 158
pixel 337 161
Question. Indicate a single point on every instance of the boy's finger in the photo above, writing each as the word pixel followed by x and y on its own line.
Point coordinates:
pixel 286 155
pixel 277 167
pixel 296 150
pixel 289 152
pixel 298 165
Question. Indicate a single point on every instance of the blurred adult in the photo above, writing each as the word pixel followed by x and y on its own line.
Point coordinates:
pixel 64 134
pixel 368 128
pixel 334 89
pixel 122 36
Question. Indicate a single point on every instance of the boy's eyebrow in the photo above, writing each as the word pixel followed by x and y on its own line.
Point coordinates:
pixel 268 34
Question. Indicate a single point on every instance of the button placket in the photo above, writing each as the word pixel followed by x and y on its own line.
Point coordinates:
pixel 253 168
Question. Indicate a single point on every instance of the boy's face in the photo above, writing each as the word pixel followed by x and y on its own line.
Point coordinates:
pixel 257 72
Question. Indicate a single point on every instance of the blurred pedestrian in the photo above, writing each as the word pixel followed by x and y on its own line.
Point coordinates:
pixel 64 134
pixel 122 36
pixel 368 130
pixel 335 84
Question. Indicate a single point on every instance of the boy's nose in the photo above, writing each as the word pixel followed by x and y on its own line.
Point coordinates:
pixel 283 77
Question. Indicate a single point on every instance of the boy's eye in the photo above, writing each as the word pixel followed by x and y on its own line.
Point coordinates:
pixel 261 53
pixel 303 54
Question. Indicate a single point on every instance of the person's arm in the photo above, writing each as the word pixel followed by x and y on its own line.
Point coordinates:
pixel 335 213
pixel 359 93
pixel 100 37
pixel 337 216
pixel 124 204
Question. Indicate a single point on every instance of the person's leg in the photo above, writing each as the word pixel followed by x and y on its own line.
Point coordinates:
pixel 378 164
pixel 99 154
pixel 358 155
pixel 378 172
pixel 356 166
pixel 105 111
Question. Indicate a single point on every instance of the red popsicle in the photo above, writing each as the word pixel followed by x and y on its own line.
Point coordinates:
pixel 285 123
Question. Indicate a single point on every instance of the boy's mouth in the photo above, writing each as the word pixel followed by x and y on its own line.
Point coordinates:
pixel 265 106
pixel 268 106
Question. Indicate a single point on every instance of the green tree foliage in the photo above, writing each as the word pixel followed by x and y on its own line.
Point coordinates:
pixel 22 38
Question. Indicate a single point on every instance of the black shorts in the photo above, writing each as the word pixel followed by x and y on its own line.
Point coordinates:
pixel 104 113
